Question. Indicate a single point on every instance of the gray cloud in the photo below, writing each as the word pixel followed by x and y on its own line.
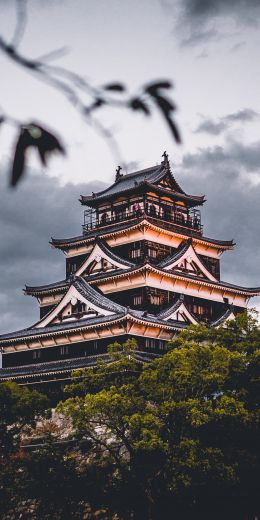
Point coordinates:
pixel 38 209
pixel 216 127
pixel 232 207
pixel 202 20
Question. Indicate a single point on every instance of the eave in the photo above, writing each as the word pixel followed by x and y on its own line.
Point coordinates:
pixel 191 200
pixel 125 321
pixel 246 291
pixel 68 243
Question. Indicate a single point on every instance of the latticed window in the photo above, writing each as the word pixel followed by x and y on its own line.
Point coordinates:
pixel 64 349
pixel 137 299
pixel 152 253
pixel 150 343
pixel 161 345
pixel 36 354
pixel 135 253
pixel 156 298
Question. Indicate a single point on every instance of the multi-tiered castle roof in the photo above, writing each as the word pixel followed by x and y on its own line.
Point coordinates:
pixel 141 268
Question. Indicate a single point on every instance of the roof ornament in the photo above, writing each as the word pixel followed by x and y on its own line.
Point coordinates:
pixel 118 174
pixel 166 159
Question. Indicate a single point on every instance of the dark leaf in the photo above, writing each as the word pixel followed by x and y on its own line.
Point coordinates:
pixel 138 104
pixel 45 142
pixel 115 87
pixel 153 88
pixel 166 107
pixel 173 127
pixel 2 119
pixel 24 141
pixel 165 104
pixel 35 136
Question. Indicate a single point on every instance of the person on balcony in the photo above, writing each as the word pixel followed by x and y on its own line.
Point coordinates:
pixel 196 222
pixel 166 213
pixel 104 217
pixel 152 210
pixel 189 221
pixel 137 210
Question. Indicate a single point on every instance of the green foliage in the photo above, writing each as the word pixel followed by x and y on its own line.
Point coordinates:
pixel 19 407
pixel 174 438
pixel 183 429
pixel 122 368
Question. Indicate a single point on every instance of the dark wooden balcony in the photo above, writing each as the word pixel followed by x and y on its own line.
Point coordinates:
pixel 191 225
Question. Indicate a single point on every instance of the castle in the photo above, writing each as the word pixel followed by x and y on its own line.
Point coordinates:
pixel 142 268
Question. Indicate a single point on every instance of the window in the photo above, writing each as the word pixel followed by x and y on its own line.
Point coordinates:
pixel 137 299
pixel 156 299
pixel 36 354
pixel 150 343
pixel 104 264
pixel 135 253
pixel 64 350
pixel 161 345
pixel 152 253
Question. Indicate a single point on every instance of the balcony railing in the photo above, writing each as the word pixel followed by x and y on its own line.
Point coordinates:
pixel 190 225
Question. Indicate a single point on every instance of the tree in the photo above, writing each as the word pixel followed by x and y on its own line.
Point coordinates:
pixel 19 409
pixel 182 435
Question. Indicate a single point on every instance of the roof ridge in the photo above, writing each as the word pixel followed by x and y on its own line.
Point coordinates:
pixel 222 317
pixel 139 172
pixel 47 286
pixel 173 307
pixel 183 247
pixel 108 250
pixel 86 290
pixel 119 181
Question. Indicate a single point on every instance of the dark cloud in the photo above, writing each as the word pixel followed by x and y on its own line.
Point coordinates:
pixel 216 127
pixel 225 175
pixel 38 209
pixel 204 20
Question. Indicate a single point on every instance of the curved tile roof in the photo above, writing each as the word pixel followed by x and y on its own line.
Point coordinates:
pixel 95 297
pixel 65 365
pixel 118 226
pixel 204 281
pixel 132 180
pixel 223 317
pixel 37 289
pixel 64 284
pixel 169 310
pixel 114 256
pixel 141 316
pixel 60 327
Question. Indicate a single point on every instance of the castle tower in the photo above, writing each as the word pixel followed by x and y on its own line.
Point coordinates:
pixel 141 268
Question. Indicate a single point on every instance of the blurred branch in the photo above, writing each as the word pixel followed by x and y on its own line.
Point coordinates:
pixel 75 88
pixel 21 21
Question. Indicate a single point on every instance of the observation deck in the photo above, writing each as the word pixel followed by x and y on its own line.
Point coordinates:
pixel 190 224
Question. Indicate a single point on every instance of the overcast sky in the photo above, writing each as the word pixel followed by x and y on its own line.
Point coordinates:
pixel 208 49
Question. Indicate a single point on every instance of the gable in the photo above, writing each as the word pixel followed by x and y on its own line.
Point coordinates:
pixel 72 307
pixel 181 313
pixel 168 182
pixel 100 261
pixel 190 263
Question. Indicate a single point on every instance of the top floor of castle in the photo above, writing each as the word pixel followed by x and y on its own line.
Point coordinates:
pixel 152 192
